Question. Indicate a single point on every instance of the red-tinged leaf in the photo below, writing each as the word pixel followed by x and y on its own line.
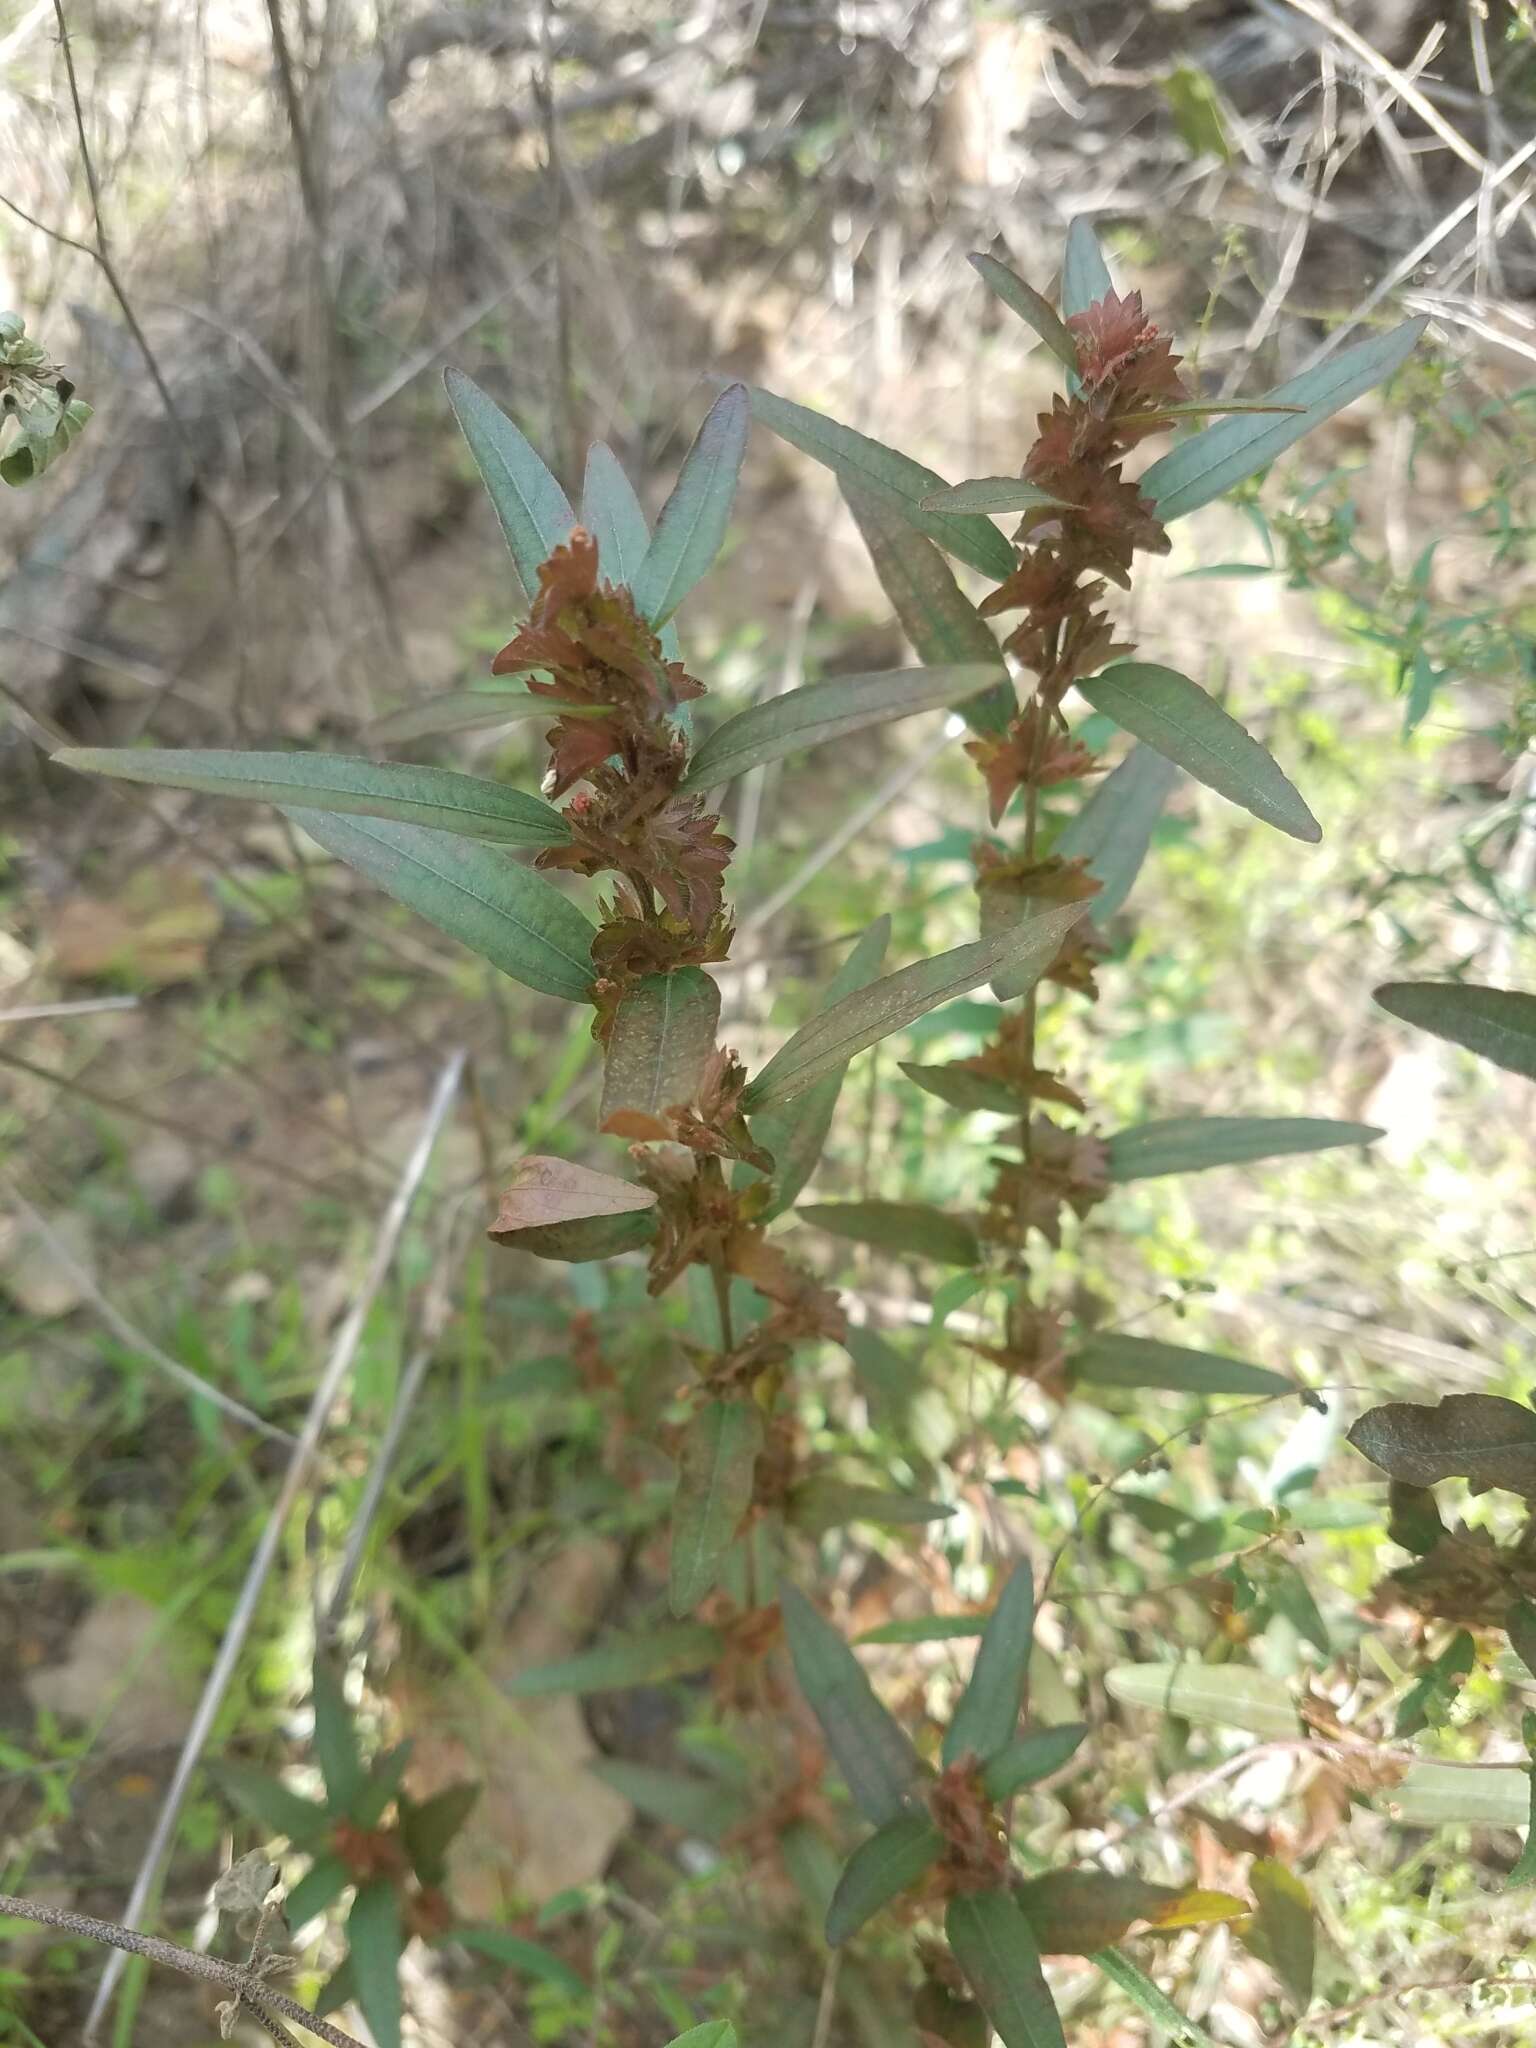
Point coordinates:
pixel 663 1032
pixel 1034 310
pixel 1497 1024
pixel 546 1190
pixel 888 1864
pixel 1286 1935
pixel 1481 1438
pixel 1032 1757
pixel 692 523
pixel 670 1650
pixel 1074 1912
pixel 996 1948
pixel 987 1717
pixel 714 1490
pixel 374 1942
pixel 902 1227
pixel 874 1756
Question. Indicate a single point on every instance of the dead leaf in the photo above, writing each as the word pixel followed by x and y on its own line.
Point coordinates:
pixel 154 931
pixel 546 1191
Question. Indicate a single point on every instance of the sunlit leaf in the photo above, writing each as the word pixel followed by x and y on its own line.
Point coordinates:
pixel 1287 1937
pixel 1437 1795
pixel 1032 309
pixel 1190 1144
pixel 1211 462
pixel 900 1227
pixel 1186 725
pixel 1482 1438
pixel 693 521
pixel 1114 828
pixel 1032 1757
pixel 534 512
pixel 986 1717
pixel 470 806
pixel 1112 1360
pixel 891 1004
pixel 1498 1024
pixel 896 480
pixel 868 1747
pixel 507 914
pixel 374 1941
pixel 663 1033
pixel 1223 1695
pixel 714 1490
pixel 995 1947
pixel 889 1863
pixel 819 712
pixel 667 1650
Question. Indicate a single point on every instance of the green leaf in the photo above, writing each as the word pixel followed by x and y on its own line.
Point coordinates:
pixel 899 483
pixel 1289 1595
pixel 507 914
pixel 693 521
pixel 1524 1872
pixel 874 1756
pixel 879 1869
pixel 1210 463
pixel 614 516
pixel 699 1806
pixel 995 1947
pixel 382 1783
pixel 668 1650
pixel 713 2034
pixel 468 711
pixel 822 1504
pixel 525 1957
pixel 1170 2024
pixel 902 1227
pixel 1188 726
pixel 714 1490
pixel 828 711
pixel 1414 1521
pixel 1115 1361
pixel 1284 1924
pixel 534 512
pixel 1520 1623
pixel 964 1089
pixel 795 1133
pixel 374 1941
pixel 1034 310
pixel 320 1887
pixel 1438 1795
pixel 467 805
pixel 1481 1438
pixel 37 450
pixel 990 494
pixel 1196 107
pixel 889 1378
pixel 1190 1144
pixel 335 1741
pixel 428 1827
pixel 1222 1695
pixel 986 1718
pixel 590 1238
pixel 663 1032
pixel 1075 1912
pixel 1429 1701
pixel 1032 1757
pixel 1085 277
pixel 935 614
pixel 926 1628
pixel 1114 828
pixel 893 1003
pixel 270 1804
pixel 1498 1024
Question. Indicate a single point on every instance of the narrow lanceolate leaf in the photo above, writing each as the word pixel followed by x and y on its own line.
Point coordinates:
pixel 663 1032
pixel 714 1490
pixel 1190 1144
pixel 468 805
pixel 996 1948
pixel 1085 277
pixel 1498 1024
pixel 614 516
pixel 1032 1757
pixel 990 494
pixel 428 1828
pixel 1210 463
pixel 1524 1872
pixel 926 1628
pixel 1188 726
pixel 1075 1912
pixel 828 711
pixel 374 1941
pixel 514 1952
pixel 534 512
pixel 935 613
pixel 1481 1438
pixel 1115 1361
pixel 823 1504
pixel 1221 1695
pixel 584 1238
pixel 1114 828
pixel 902 1227
pixel 271 1805
pixel 987 1716
pixel 507 914
pixel 898 1000
pixel 702 1806
pixel 879 1870
pixel 896 480
pixel 1436 1795
pixel 874 1756
pixel 670 1650
pixel 1034 310
pixel 1284 1925
pixel 693 521
pixel 964 1089
pixel 713 2034
pixel 1169 2024
pixel 795 1133
pixel 468 711
pixel 341 1766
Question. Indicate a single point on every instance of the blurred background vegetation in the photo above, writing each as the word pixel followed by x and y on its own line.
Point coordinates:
pixel 216 1049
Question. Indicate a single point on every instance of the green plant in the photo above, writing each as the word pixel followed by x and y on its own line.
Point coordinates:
pixel 718 1153
pixel 36 394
